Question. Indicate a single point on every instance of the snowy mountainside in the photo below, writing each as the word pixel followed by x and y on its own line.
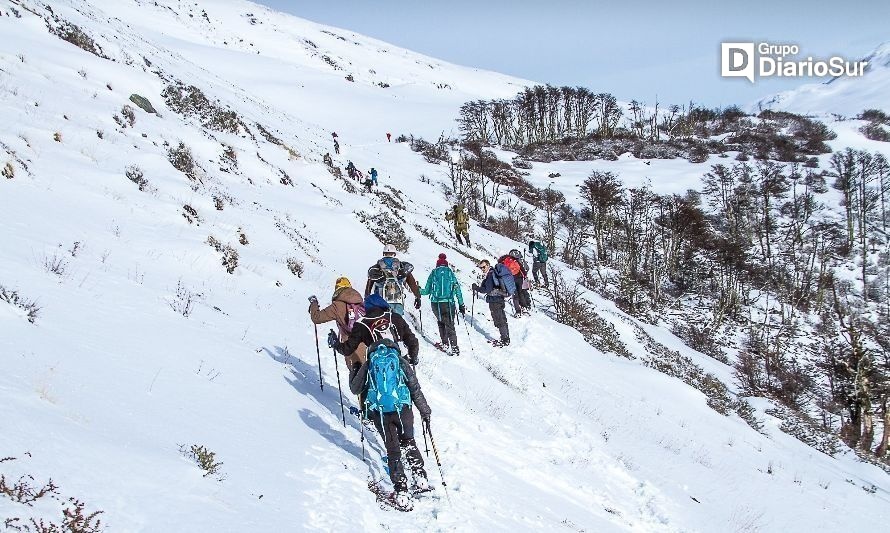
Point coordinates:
pixel 112 379
pixel 843 96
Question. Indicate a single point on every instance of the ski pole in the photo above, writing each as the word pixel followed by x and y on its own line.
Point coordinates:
pixel 426 427
pixel 318 353
pixel 339 386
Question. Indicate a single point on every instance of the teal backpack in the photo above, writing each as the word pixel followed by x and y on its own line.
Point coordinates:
pixel 387 390
pixel 540 252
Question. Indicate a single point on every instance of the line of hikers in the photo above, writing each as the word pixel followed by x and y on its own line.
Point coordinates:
pixel 371 326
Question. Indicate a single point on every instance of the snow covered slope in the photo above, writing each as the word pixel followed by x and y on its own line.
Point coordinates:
pixel 112 379
pixel 844 96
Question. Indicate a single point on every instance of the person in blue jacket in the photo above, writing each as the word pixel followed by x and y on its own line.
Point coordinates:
pixel 497 285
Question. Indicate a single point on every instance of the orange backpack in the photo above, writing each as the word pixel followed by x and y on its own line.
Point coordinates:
pixel 511 263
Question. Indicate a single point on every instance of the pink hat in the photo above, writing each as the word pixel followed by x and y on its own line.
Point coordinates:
pixel 441 261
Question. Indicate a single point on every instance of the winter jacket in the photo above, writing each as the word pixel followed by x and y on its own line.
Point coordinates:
pixel 442 286
pixel 365 333
pixel 460 217
pixel 375 274
pixel 336 312
pixel 358 384
pixel 492 292
pixel 539 251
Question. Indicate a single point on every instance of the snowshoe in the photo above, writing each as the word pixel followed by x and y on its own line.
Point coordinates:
pixel 421 485
pixel 400 501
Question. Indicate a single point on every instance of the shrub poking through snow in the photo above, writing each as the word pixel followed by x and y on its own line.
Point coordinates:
pixel 73 34
pixel 55 265
pixel 295 266
pixel 183 302
pixel 190 101
pixel 386 228
pixel 75 518
pixel 8 171
pixel 30 308
pixel 229 254
pixel 134 174
pixel 191 215
pixel 180 156
pixel 205 459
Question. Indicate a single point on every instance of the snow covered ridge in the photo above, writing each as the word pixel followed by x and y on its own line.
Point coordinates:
pixel 841 96
pixel 169 378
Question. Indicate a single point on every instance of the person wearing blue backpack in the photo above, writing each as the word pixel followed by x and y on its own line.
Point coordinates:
pixel 387 386
pixel 497 285
pixel 442 288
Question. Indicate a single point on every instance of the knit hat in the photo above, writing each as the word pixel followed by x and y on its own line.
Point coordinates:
pixel 341 283
pixel 442 261
pixel 375 300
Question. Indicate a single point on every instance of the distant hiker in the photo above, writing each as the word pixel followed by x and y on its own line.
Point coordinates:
pixel 373 172
pixel 461 220
pixel 350 170
pixel 539 260
pixel 336 147
pixel 334 135
pixel 388 385
pixel 328 160
pixel 379 322
pixel 442 288
pixel 388 277
pixel 497 285
pixel 388 137
pixel 522 302
pixel 345 309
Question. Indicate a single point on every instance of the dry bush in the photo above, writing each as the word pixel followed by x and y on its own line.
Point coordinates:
pixel 191 215
pixel 55 265
pixel 188 100
pixel 295 266
pixel 205 459
pixel 31 309
pixel 183 302
pixel 73 34
pixel 180 156
pixel 135 175
pixel 57 137
pixel 571 308
pixel 8 171
pixel 229 254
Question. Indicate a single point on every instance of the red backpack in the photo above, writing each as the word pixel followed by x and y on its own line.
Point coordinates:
pixel 511 263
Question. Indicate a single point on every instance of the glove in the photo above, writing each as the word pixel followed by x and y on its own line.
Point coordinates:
pixel 417 303
pixel 313 299
pixel 475 287
pixel 333 341
pixel 426 419
pixel 413 359
pixel 463 309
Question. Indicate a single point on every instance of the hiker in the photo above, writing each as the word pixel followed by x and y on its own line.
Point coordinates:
pixel 327 159
pixel 374 176
pixel 380 322
pixel 336 147
pixel 497 285
pixel 350 170
pixel 461 223
pixel 388 277
pixel 442 288
pixel 334 135
pixel 522 302
pixel 345 309
pixel 388 137
pixel 387 385
pixel 539 260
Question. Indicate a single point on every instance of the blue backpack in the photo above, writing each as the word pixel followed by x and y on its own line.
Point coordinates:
pixel 503 279
pixel 387 390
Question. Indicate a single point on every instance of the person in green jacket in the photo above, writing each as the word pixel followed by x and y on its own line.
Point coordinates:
pixel 442 288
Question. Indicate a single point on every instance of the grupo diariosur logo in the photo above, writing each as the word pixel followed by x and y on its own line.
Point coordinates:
pixel 766 60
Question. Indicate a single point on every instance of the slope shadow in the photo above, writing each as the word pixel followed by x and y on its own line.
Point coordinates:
pixel 304 379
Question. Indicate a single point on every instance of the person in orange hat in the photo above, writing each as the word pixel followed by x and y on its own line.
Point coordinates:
pixel 346 307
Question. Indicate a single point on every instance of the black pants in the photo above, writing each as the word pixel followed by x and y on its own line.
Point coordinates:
pixel 444 312
pixel 499 317
pixel 540 266
pixel 397 430
pixel 465 233
pixel 522 301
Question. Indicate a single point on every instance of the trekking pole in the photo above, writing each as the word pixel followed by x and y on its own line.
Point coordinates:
pixel 362 421
pixel 421 319
pixel 339 386
pixel 318 353
pixel 426 427
pixel 426 447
